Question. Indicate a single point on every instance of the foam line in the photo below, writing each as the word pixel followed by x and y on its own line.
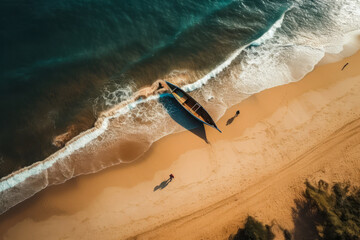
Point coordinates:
pixel 83 139
pixel 102 124
pixel 267 35
pixel 15 179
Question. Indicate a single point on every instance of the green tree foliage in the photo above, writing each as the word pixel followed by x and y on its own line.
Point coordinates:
pixel 333 214
pixel 339 209
pixel 253 230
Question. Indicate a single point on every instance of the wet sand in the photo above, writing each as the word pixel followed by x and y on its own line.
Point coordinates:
pixel 304 130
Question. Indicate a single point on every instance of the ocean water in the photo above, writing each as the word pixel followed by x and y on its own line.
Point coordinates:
pixel 74 68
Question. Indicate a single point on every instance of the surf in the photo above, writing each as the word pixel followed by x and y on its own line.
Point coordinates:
pixel 240 65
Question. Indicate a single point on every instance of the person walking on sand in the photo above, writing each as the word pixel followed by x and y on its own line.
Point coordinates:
pixel 171 177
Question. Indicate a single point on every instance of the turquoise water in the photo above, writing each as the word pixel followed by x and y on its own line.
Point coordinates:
pixel 59 56
pixel 64 63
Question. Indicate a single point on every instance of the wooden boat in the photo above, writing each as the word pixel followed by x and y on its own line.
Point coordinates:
pixel 191 105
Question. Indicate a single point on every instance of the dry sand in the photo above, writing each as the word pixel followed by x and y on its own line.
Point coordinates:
pixel 284 135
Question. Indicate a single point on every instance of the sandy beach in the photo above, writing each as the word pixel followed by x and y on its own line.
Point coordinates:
pixel 304 130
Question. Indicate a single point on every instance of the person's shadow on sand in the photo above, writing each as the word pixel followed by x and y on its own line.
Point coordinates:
pixel 162 185
pixel 232 118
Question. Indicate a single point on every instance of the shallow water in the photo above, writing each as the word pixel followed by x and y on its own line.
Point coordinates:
pixel 72 65
pixel 62 63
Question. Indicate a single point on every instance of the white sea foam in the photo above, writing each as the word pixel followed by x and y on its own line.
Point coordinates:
pixel 267 35
pixel 85 138
pixel 267 63
pixel 270 33
pixel 351 45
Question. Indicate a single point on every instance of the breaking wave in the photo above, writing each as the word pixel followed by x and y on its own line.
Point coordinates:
pixel 286 52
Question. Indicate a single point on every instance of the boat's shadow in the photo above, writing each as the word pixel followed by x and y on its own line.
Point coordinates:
pixel 181 116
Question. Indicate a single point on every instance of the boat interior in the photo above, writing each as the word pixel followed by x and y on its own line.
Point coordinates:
pixel 192 106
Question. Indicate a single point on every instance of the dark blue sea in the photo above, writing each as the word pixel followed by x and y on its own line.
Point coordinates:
pixel 73 65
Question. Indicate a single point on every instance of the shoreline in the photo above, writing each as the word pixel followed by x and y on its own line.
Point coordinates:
pixel 147 92
pixel 39 172
pixel 276 119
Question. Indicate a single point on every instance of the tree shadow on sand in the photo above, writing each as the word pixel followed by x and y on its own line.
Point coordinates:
pixel 305 219
pixel 181 116
pixel 162 185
